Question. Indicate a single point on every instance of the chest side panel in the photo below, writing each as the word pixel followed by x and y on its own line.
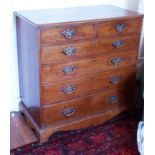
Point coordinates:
pixel 28 58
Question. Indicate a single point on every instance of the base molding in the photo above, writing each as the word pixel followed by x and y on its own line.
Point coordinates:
pixel 43 134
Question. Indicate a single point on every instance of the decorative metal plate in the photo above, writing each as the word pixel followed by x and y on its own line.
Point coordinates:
pixel 120 27
pixel 115 79
pixel 69 111
pixel 116 61
pixel 113 99
pixel 68 89
pixel 69 33
pixel 69 51
pixel 118 43
pixel 68 69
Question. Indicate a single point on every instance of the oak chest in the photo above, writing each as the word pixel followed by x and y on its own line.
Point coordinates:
pixel 77 66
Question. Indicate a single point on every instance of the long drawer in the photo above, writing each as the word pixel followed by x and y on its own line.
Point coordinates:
pixel 70 52
pixel 68 89
pixel 73 109
pixel 113 60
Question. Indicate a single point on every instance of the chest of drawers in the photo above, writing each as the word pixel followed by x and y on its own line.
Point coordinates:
pixel 77 66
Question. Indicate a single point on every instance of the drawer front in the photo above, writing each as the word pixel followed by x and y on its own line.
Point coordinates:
pixel 73 109
pixel 70 52
pixel 68 89
pixel 119 27
pixel 67 34
pixel 57 72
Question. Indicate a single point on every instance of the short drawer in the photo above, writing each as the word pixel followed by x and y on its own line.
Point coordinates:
pixel 119 27
pixel 73 69
pixel 88 105
pixel 70 52
pixel 67 34
pixel 68 89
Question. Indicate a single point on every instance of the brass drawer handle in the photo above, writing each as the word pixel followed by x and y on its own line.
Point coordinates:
pixel 116 61
pixel 69 33
pixel 113 99
pixel 68 89
pixel 120 27
pixel 115 79
pixel 69 51
pixel 69 111
pixel 68 69
pixel 118 43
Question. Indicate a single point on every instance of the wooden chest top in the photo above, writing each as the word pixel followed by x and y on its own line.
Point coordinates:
pixel 76 14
